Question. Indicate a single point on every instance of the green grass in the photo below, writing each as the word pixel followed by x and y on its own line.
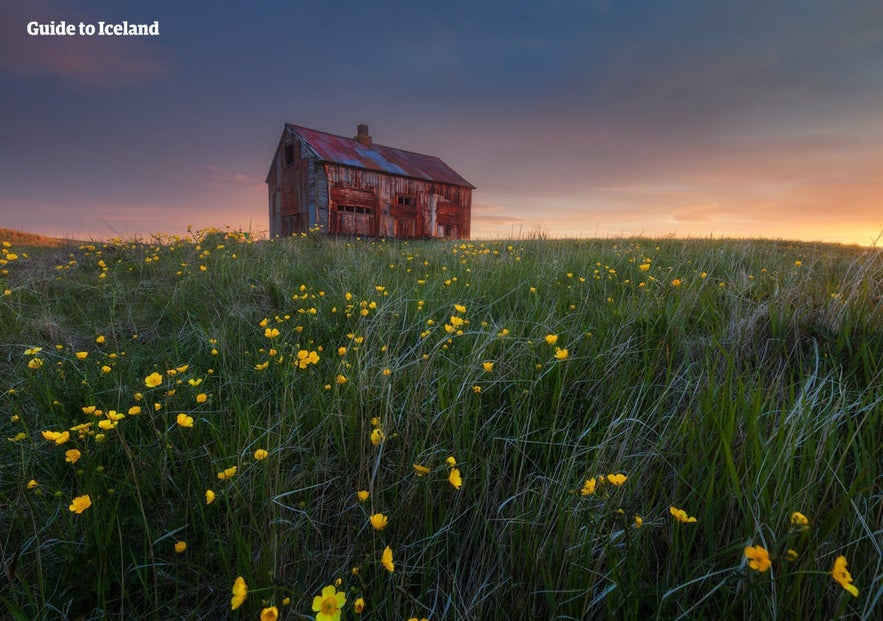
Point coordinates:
pixel 740 381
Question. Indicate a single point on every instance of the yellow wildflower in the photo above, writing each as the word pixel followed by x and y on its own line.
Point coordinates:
pixel 487 366
pixel 153 380
pixel 201 397
pixel 35 363
pixel 386 559
pixel 184 420
pixel 561 354
pixel 589 487
pixel 32 484
pixel 451 461
pixel 260 454
pixel 240 592
pixel 758 558
pixel 680 515
pixel 617 479
pixel 551 339
pixel 80 503
pixel 459 308
pixel 72 456
pixel 799 520
pixel 454 478
pixel 359 606
pixel 270 614
pixel 227 474
pixel 180 546
pixel 639 522
pixel 209 496
pixel 59 437
pixel 100 339
pixel 81 355
pixel 420 470
pixel 362 495
pixel 328 605
pixel 676 282
pixel 378 521
pixel 377 436
pixel 842 577
pixel 271 333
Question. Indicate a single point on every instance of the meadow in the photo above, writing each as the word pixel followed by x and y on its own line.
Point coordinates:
pixel 210 427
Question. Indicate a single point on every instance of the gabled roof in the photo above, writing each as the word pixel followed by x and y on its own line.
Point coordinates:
pixel 351 152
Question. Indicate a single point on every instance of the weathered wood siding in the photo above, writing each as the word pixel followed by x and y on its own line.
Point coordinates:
pixel 367 202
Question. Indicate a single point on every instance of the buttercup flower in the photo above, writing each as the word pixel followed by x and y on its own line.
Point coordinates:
pixel 271 333
pixel 487 366
pixel 270 614
pixel 80 503
pixel 260 454
pixel 32 484
pixel 81 355
pixel 800 520
pixel 153 380
pixel 589 487
pixel 180 546
pixel 72 456
pixel 184 420
pixel 617 479
pixel 420 470
pixel 377 436
pixel 639 522
pixel 842 577
pixel 228 473
pixel 240 592
pixel 758 558
pixel 386 559
pixel 378 521
pixel 561 354
pixel 359 606
pixel 551 339
pixel 59 437
pixel 455 479
pixel 680 515
pixel 451 461
pixel 328 605
pixel 209 496
pixel 362 495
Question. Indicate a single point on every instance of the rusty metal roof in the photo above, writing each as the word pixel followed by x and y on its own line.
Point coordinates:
pixel 351 152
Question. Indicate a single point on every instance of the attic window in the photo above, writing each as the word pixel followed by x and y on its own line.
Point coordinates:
pixel 289 154
pixel 405 200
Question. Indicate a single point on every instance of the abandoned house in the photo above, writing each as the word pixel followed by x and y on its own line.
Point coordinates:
pixel 351 186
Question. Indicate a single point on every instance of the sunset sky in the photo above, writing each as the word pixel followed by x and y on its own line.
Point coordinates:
pixel 578 118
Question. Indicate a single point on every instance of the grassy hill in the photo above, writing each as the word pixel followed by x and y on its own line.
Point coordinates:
pixel 512 429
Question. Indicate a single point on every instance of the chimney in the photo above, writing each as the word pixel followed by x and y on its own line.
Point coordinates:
pixel 362 135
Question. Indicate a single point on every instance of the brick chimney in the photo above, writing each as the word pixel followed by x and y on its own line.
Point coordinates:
pixel 362 135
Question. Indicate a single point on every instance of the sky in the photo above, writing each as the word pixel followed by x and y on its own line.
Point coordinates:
pixel 573 118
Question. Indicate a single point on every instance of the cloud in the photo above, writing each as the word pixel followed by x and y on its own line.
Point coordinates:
pixel 91 61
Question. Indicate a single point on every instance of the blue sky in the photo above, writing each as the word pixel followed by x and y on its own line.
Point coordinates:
pixel 578 118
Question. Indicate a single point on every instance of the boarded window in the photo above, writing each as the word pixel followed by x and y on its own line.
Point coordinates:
pixel 407 201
